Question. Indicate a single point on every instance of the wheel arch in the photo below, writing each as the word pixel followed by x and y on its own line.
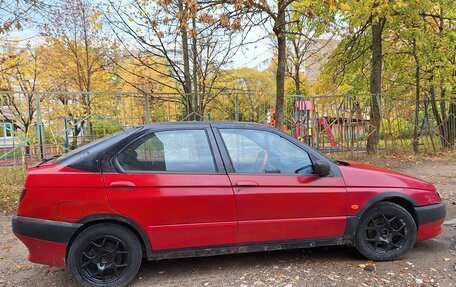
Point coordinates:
pixel 403 200
pixel 116 219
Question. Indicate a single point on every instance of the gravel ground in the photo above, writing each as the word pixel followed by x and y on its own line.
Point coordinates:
pixel 430 263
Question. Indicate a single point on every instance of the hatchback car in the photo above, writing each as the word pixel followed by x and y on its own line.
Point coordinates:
pixel 175 190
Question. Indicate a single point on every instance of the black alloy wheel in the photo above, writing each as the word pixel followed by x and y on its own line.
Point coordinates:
pixel 386 231
pixel 105 254
pixel 104 260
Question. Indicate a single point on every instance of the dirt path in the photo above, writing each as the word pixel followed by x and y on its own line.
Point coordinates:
pixel 430 263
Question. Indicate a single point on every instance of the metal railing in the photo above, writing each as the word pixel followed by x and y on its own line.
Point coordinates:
pixel 40 124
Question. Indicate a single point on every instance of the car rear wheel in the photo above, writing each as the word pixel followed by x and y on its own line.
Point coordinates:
pixel 105 255
pixel 385 232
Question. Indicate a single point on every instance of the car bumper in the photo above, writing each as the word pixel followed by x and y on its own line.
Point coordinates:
pixel 46 240
pixel 430 219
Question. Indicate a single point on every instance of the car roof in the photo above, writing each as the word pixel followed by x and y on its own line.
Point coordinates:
pixel 204 123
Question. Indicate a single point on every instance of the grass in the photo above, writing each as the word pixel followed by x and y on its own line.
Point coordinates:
pixel 11 184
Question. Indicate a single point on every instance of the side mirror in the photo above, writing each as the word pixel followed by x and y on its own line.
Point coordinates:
pixel 321 168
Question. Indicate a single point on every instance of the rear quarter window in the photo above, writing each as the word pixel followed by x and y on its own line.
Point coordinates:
pixel 87 157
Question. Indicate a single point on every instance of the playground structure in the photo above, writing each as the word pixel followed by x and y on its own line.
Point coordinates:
pixel 41 124
pixel 326 129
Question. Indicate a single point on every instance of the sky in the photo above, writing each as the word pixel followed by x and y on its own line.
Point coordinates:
pixel 252 54
pixel 249 56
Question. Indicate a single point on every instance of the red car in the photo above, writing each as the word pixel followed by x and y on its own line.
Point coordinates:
pixel 195 189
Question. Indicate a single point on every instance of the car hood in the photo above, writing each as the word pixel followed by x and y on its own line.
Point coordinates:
pixel 363 175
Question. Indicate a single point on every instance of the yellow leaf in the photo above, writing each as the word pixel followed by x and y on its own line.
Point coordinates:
pixel 344 7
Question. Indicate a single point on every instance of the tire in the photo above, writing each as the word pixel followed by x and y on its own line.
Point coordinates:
pixel 105 254
pixel 385 232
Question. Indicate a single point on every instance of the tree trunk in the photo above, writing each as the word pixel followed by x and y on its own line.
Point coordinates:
pixel 375 85
pixel 416 133
pixel 88 72
pixel 445 123
pixel 196 104
pixel 297 67
pixel 297 80
pixel 186 60
pixel 279 27
pixel 438 119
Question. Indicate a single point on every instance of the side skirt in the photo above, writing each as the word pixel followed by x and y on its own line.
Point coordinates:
pixel 247 248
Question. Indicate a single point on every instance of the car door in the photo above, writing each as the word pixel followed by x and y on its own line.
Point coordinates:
pixel 277 195
pixel 172 182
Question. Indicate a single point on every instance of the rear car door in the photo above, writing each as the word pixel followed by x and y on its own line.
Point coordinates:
pixel 278 197
pixel 172 182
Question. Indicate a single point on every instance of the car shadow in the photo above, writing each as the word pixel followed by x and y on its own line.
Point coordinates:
pixel 246 260
pixel 172 272
pixel 312 257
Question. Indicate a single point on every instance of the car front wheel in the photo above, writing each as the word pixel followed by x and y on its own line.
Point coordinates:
pixel 385 232
pixel 105 255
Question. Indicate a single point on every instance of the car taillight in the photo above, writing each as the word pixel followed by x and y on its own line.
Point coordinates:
pixel 24 191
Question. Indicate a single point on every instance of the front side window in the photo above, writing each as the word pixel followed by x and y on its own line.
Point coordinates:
pixel 169 151
pixel 255 151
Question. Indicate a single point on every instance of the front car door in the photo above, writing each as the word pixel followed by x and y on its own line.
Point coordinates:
pixel 172 182
pixel 277 195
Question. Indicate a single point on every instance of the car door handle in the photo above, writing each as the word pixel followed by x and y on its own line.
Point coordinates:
pixel 122 184
pixel 246 183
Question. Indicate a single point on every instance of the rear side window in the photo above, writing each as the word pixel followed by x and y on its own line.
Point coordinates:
pixel 169 151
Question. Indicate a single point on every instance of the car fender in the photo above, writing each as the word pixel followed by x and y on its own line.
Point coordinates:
pixel 352 221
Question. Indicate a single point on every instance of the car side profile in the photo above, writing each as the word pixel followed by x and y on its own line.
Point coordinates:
pixel 172 190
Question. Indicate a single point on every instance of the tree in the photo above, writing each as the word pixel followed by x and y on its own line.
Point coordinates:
pixel 75 33
pixel 246 95
pixel 417 55
pixel 375 81
pixel 307 37
pixel 14 14
pixel 365 23
pixel 20 81
pixel 283 17
pixel 440 66
pixel 188 42
pixel 371 13
pixel 277 13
